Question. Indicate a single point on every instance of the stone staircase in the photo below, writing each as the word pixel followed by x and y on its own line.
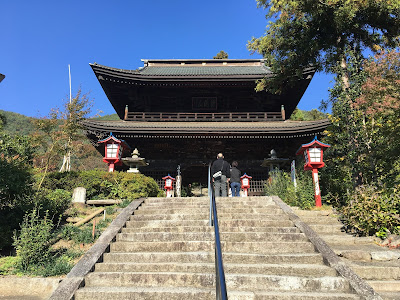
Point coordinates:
pixel 379 266
pixel 166 251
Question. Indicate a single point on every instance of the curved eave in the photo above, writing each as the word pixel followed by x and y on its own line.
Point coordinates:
pixel 286 128
pixel 108 73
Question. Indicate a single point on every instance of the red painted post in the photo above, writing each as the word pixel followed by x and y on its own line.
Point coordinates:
pixel 317 191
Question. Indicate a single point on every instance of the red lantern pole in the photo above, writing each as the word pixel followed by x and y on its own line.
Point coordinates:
pixel 313 156
pixel 317 191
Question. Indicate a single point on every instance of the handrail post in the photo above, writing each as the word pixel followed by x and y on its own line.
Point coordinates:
pixel 221 292
pixel 209 192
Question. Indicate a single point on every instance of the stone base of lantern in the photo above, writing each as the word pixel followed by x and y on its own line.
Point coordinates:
pixel 133 170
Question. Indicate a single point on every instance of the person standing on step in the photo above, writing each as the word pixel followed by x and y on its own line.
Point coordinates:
pixel 220 171
pixel 235 179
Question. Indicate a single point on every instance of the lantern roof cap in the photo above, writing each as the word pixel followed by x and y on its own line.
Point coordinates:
pixel 315 142
pixel 246 176
pixel 112 137
pixel 168 177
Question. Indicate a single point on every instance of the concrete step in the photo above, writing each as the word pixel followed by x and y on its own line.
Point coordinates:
pixel 264 269
pixel 169 211
pixel 271 230
pixel 162 293
pixel 166 223
pixel 208 257
pixel 313 213
pixel 326 228
pixel 272 210
pixel 240 282
pixel 224 223
pixel 303 270
pixel 205 200
pixel 262 237
pixel 390 295
pixel 159 257
pixel 205 215
pixel 187 216
pixel 345 239
pixel 211 229
pixel 317 220
pixel 303 296
pixel 145 293
pixel 279 258
pixel 385 285
pixel 209 236
pixel 252 216
pixel 184 246
pixel 150 279
pixel 267 247
pixel 250 282
pixel 174 205
pixel 165 236
pixel 169 229
pixel 377 273
pixel 192 267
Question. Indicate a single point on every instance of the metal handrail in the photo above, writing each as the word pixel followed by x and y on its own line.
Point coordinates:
pixel 219 267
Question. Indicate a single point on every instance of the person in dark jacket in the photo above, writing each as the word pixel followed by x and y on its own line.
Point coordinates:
pixel 220 172
pixel 235 179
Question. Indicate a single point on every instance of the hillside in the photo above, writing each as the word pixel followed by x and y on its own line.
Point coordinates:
pixel 17 123
pixel 22 125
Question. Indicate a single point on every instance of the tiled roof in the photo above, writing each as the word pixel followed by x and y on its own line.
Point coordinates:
pixel 212 128
pixel 204 70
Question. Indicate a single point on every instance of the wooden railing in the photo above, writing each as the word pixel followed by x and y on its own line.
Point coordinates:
pixel 232 116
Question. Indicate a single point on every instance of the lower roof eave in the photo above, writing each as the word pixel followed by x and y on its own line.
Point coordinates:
pixel 221 130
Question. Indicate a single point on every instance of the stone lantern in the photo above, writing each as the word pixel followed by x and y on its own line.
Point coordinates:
pixel 134 162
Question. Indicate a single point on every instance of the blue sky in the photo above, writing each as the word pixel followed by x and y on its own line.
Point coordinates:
pixel 40 38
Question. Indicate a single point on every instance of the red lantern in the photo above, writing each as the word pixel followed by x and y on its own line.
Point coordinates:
pixel 169 185
pixel 113 151
pixel 245 179
pixel 313 156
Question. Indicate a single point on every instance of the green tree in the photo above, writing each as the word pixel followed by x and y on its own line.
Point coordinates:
pixel 58 132
pixel 75 111
pixel 221 55
pixel 365 128
pixel 318 33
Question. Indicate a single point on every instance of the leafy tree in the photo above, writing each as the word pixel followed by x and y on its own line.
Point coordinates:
pixel 221 55
pixel 16 182
pixel 365 129
pixel 318 33
pixel 74 112
pixel 3 121
pixel 303 115
pixel 59 131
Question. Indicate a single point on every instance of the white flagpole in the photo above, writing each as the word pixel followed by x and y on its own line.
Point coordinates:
pixel 70 93
pixel 66 165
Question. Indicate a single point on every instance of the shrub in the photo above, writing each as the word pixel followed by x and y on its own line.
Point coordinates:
pixel 371 210
pixel 280 184
pixel 32 243
pixel 56 202
pixel 101 184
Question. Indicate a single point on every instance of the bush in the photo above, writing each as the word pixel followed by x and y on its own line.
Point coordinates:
pixel 371 210
pixel 281 185
pixel 32 243
pixel 101 184
pixel 56 202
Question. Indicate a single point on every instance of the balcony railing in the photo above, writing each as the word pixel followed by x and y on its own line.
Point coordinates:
pixel 210 117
